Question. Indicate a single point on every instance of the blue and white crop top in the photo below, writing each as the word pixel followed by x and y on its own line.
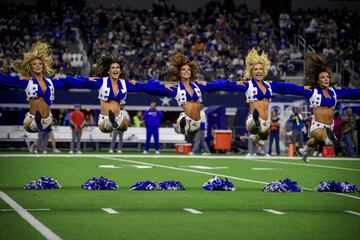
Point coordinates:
pixel 182 96
pixel 251 88
pixel 318 98
pixel 179 92
pixel 106 91
pixel 33 90
pixel 254 93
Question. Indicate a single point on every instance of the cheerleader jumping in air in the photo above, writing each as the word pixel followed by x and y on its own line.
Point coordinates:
pixel 113 89
pixel 258 94
pixel 35 70
pixel 186 91
pixel 318 89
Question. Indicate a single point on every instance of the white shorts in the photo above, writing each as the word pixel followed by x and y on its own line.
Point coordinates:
pixel 316 125
pixel 46 122
pixel 102 118
pixel 28 116
pixel 191 124
pixel 119 119
pixel 264 125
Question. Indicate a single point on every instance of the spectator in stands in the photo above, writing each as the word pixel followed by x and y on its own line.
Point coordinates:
pixel 200 135
pixel 348 124
pixel 296 120
pixel 77 121
pixel 295 53
pixel 152 118
pixel 274 132
pixel 291 70
pixel 137 119
pixel 119 133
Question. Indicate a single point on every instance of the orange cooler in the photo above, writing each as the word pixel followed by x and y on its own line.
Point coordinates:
pixel 184 148
pixel 222 139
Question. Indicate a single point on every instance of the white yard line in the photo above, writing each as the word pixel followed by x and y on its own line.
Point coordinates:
pixel 353 212
pixel 41 228
pixel 191 210
pixel 274 211
pixel 110 210
pixel 28 209
pixel 260 159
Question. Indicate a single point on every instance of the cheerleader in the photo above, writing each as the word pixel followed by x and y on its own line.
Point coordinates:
pixel 113 89
pixel 318 89
pixel 186 91
pixel 35 70
pixel 258 94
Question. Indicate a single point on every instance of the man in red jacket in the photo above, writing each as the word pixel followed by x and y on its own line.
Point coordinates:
pixel 77 121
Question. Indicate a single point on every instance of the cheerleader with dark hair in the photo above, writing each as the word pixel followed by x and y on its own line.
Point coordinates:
pixel 319 89
pixel 113 88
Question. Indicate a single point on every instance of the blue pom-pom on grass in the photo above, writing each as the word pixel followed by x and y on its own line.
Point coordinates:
pixel 218 184
pixel 287 185
pixel 336 186
pixel 145 186
pixel 101 183
pixel 42 183
pixel 171 185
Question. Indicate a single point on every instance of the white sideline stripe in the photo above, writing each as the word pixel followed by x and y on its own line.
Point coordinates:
pixel 41 228
pixel 212 174
pixel 261 159
pixel 192 210
pixel 274 211
pixel 353 212
pixel 178 156
pixel 110 210
pixel 28 209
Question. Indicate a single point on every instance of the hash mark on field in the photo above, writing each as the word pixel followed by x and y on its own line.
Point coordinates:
pixel 353 212
pixel 29 209
pixel 192 210
pixel 274 211
pixel 110 210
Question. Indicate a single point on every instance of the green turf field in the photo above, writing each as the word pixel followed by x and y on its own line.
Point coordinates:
pixel 77 214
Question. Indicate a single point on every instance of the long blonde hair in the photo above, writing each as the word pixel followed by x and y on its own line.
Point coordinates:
pixel 253 58
pixel 41 51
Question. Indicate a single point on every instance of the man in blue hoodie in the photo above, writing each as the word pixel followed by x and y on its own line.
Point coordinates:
pixel 152 119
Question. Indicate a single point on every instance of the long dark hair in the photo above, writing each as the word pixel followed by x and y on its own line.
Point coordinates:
pixel 316 64
pixel 104 63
